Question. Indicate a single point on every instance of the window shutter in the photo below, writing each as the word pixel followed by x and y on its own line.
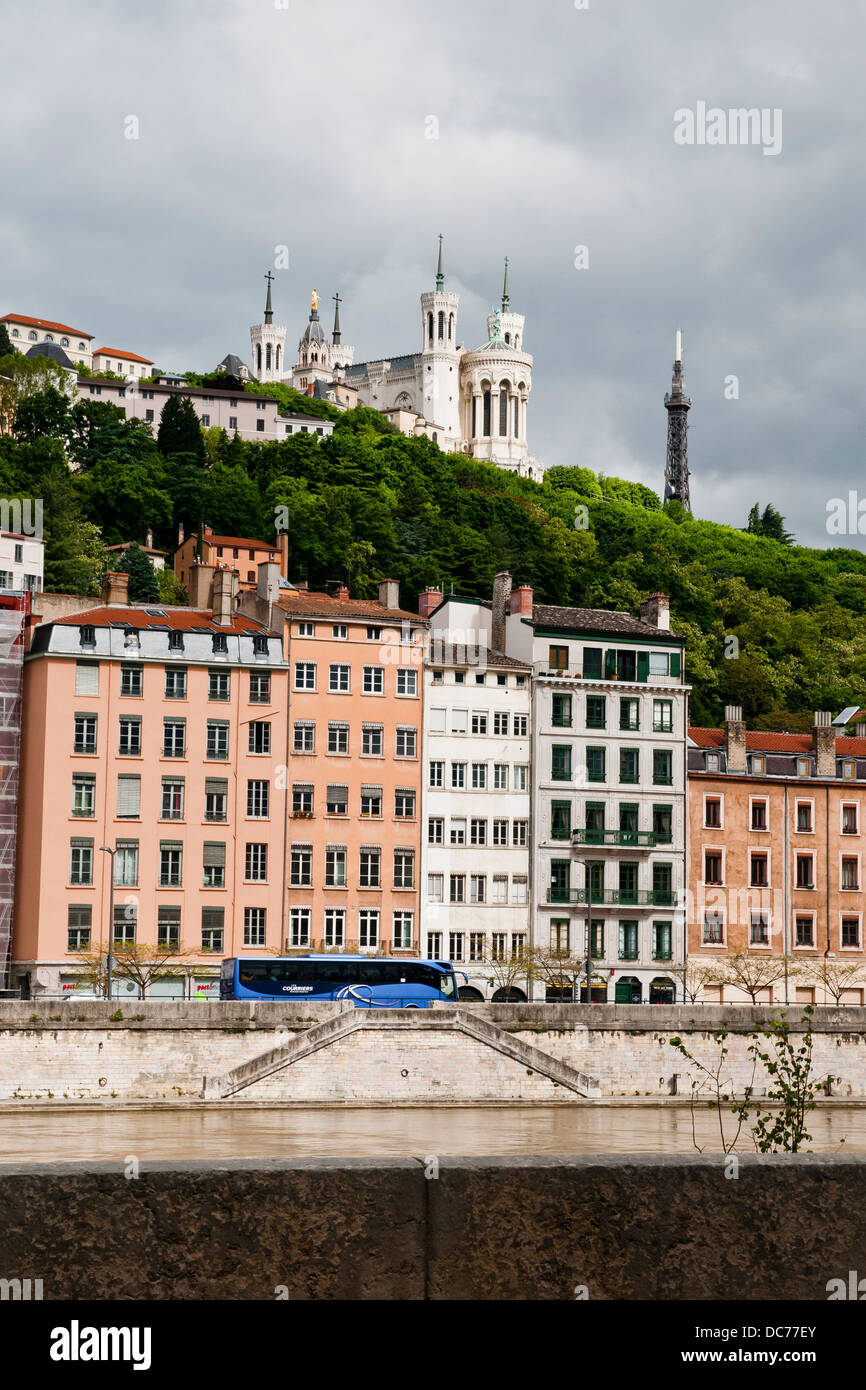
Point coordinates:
pixel 87 677
pixel 675 663
pixel 610 664
pixel 214 854
pixel 216 786
pixel 128 795
pixel 642 666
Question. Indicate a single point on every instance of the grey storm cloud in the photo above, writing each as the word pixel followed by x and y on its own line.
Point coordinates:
pixel 262 124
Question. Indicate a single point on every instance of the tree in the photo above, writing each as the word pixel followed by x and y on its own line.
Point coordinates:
pixel 506 970
pixel 752 973
pixel 171 591
pixel 694 978
pixel 834 976
pixel 101 432
pixel 6 344
pixel 143 586
pixel 142 964
pixel 43 415
pixel 126 496
pixel 179 429
pixel 74 553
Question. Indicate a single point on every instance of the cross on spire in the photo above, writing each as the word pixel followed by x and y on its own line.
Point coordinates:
pixel 505 289
pixel 269 312
pixel 440 274
pixel 337 302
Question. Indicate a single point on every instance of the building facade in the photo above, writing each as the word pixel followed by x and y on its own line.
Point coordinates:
pixel 22 561
pixel 119 360
pixel 776 861
pixel 26 332
pixel 251 416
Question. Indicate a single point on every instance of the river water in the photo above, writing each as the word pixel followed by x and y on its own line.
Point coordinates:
pixel 239 1132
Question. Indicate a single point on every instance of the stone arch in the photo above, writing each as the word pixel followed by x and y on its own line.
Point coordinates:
pixel 258 358
pixel 511 995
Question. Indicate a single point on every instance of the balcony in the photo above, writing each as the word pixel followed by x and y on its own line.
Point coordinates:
pixel 616 839
pixel 614 897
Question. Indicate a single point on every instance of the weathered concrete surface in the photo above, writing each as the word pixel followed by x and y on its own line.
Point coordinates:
pixel 643 1227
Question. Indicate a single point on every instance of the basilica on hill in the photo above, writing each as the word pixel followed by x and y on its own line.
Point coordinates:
pixel 469 400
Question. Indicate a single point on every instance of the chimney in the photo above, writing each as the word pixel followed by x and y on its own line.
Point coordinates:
pixel 115 587
pixel 427 601
pixel 520 600
pixel 341 591
pixel 501 595
pixel 225 586
pixel 200 585
pixel 824 743
pixel 180 533
pixel 148 540
pixel 389 593
pixel 735 738
pixel 302 584
pixel 283 548
pixel 656 610
pixel 860 730
pixel 268 586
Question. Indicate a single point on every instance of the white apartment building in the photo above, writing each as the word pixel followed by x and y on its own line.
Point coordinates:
pixel 25 333
pixel 475 848
pixel 22 560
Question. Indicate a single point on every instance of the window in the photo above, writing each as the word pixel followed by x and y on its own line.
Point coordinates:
pixel 220 642
pixel 83 794
pixel 129 741
pixel 595 711
pixel 215 798
pixel 519 833
pixel 212 919
pixel 711 762
pixel 371 740
pixel 662 943
pixel 374 680
pixel 168 928
pixel 435 888
pixel 713 866
pixel 340 631
pixel 175 641
pixel 560 769
pixel 500 777
pixel 304 736
pixel 175 682
pixel 804 817
pixel 521 725
pixel 849 769
pixel 459 677
pixel 759 815
pixel 258 797
pixel 78 923
pixel 402 927
pixel 595 765
pixel 477 888
pixel 125 923
pixel 214 864
pixel 371 802
pixel 368 928
pixel 849 820
pixel 305 673
pixel 628 816
pixel 500 723
pixel 85 734
pixel 804 878
pixel 756 764
pixel 302 799
pixel 759 929
pixel 170 863
pixel 477 832
pixel 457 888
pixel 714 929
pixel 404 868
pixel 850 872
pixel 338 678
pixel 629 765
pixel 407 681
pixel 850 931
pixel 804 930
pixel 458 830
pixel 81 862
pixel 86 634
pixel 130 680
pixel 436 830
pixel 301 871
pixel 370 875
pixel 560 820
pixel 256 863
pixel 560 881
pixel 662 767
pixel 803 767
pixel 479 723
pixel 335 866
pixel 217 749
pixel 260 687
pixel 254 926
pixel 404 803
pixel 128 796
pixel 407 740
pixel 628 943
pixel 758 872
pixel 260 737
pixel 306 630
pixel 173 738
pixel 219 685
pixel 629 714
pixel 438 677
pixel 374 634
pixel 479 776
pixel 437 774
pixel 663 824
pixel 335 926
pixel 172 798
pixel 500 832
pixel 338 738
pixel 500 888
pixel 458 775
pixel 558 658
pixel 337 801
pixel 663 712
pixel 86 675
pixel 560 711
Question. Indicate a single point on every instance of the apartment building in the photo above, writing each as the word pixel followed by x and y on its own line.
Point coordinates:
pixel 241 554
pixel 354 765
pixel 121 361
pixel 151 742
pixel 776 856
pixel 253 417
pixel 475 803
pixel 22 561
pixel 26 332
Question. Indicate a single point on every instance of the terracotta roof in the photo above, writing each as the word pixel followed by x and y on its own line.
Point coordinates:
pixel 478 656
pixel 178 619
pixel 45 323
pixel 121 352
pixel 596 620
pixel 240 541
pixel 305 603
pixel 761 741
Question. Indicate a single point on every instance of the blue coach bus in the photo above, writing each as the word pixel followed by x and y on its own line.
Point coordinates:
pixel 369 982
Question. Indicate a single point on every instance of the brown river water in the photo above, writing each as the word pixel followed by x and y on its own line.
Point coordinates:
pixel 240 1132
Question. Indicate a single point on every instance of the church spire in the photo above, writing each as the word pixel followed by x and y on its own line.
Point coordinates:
pixel 269 312
pixel 677 405
pixel 505 289
pixel 440 274
pixel 336 334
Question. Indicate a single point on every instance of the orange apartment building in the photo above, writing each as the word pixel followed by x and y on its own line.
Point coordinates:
pixel 777 852
pixel 354 765
pixel 241 554
pixel 156 733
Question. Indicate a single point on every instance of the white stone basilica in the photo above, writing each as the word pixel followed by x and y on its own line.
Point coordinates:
pixel 470 401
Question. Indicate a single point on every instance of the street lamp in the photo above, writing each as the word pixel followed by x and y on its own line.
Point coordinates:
pixel 588 872
pixel 106 849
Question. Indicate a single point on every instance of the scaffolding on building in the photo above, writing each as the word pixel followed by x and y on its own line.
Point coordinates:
pixel 14 606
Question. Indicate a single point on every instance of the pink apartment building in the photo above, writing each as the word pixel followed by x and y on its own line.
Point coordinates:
pixel 158 733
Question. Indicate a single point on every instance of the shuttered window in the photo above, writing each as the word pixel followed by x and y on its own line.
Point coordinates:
pixel 87 677
pixel 128 796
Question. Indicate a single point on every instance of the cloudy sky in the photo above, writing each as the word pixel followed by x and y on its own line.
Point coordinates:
pixel 306 123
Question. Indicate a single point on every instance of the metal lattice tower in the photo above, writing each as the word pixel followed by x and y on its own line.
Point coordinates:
pixel 677 405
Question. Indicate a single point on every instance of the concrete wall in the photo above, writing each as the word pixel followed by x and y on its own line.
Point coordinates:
pixel 74 1051
pixel 481 1229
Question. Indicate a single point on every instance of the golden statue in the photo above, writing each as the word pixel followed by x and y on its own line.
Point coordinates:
pixel 315 300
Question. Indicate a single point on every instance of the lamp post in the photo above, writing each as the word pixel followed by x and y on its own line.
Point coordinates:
pixel 588 872
pixel 106 849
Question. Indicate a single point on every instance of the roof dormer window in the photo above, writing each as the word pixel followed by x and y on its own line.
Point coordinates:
pixel 87 635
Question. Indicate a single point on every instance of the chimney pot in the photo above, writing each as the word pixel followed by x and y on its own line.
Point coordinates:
pixel 389 593
pixel 341 591
pixel 520 600
pixel 735 738
pixel 429 599
pixel 824 743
